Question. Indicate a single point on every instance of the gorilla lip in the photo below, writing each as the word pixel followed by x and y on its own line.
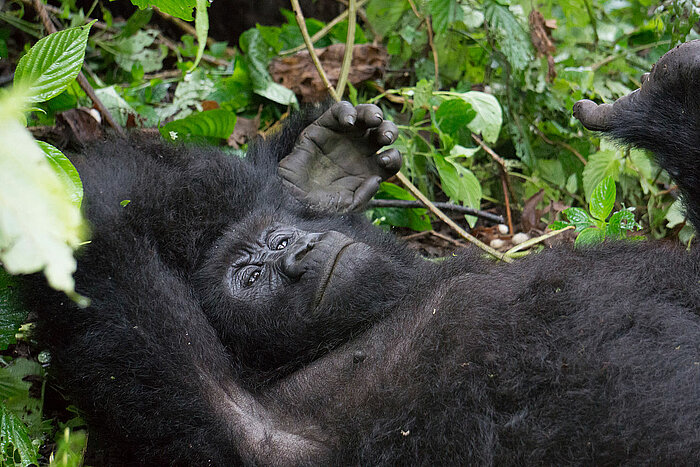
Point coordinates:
pixel 322 290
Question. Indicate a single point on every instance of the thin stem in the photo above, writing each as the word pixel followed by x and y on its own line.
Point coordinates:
pixel 349 46
pixel 310 47
pixel 325 30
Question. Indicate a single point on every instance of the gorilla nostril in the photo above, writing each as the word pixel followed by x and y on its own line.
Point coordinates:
pixel 293 257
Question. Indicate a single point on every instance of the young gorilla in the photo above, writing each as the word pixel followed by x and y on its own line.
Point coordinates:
pixel 585 356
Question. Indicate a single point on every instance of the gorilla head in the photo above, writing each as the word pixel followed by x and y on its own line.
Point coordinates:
pixel 276 285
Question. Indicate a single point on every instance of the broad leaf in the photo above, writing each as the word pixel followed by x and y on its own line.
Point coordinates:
pixel 179 8
pixel 217 123
pixel 14 437
pixel 52 63
pixel 453 115
pixel 602 199
pixel 12 310
pixel 489 115
pixel 512 37
pixel 578 218
pixel 459 183
pixel 39 224
pixel 65 171
pixel 590 236
pixel 602 164
pixel 619 224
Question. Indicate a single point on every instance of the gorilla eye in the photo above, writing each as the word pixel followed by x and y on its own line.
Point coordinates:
pixel 279 242
pixel 251 276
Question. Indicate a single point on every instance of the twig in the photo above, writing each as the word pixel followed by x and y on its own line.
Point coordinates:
pixel 349 44
pixel 631 50
pixel 322 33
pixel 82 80
pixel 563 144
pixel 413 236
pixel 504 178
pixel 443 217
pixel 310 47
pixel 446 238
pixel 429 25
pixel 536 240
pixel 410 204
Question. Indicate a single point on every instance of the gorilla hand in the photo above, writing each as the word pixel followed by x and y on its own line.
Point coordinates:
pixel 335 165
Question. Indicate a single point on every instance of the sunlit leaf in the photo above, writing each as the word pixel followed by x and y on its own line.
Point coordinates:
pixel 52 63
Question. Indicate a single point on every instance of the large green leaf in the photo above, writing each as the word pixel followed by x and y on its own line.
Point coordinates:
pixel 65 171
pixel 513 40
pixel 179 8
pixel 459 183
pixel 602 199
pixel 217 123
pixel 52 63
pixel 39 224
pixel 453 115
pixel 14 437
pixel 602 164
pixel 489 115
pixel 12 310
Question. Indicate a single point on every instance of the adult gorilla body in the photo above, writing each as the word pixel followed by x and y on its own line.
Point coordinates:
pixel 587 356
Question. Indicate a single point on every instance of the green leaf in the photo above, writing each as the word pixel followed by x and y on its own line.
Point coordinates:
pixel 39 224
pixel 384 16
pixel 179 8
pixel 620 223
pixel 278 93
pixel 52 63
pixel 201 26
pixel 453 115
pixel 512 38
pixel 12 310
pixel 444 12
pixel 602 164
pixel 459 183
pixel 414 218
pixel 588 237
pixel 558 225
pixel 134 50
pixel 14 437
pixel 65 171
pixel 70 446
pixel 602 199
pixel 489 115
pixel 217 123
pixel 579 218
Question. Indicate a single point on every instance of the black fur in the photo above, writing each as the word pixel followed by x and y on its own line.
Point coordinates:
pixel 567 357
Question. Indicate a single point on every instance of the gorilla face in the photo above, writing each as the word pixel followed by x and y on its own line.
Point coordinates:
pixel 281 289
pixel 283 257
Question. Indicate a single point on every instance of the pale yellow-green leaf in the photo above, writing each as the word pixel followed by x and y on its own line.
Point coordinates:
pixel 39 224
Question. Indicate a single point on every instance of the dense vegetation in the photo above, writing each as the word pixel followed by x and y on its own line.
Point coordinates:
pixel 482 91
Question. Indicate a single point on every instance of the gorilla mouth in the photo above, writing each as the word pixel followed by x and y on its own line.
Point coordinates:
pixel 324 286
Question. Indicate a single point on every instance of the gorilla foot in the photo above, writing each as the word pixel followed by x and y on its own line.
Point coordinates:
pixel 334 164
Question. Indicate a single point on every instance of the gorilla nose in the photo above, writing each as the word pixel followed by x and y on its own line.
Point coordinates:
pixel 293 264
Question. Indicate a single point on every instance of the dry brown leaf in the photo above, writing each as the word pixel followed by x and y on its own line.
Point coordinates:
pixel 541 36
pixel 298 73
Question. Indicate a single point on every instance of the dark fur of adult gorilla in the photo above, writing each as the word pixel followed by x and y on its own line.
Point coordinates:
pixel 231 323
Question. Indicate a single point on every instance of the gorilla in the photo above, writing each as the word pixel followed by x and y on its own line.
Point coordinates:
pixel 243 312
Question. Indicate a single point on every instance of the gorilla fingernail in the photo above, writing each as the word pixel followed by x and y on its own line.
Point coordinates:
pixel 350 119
